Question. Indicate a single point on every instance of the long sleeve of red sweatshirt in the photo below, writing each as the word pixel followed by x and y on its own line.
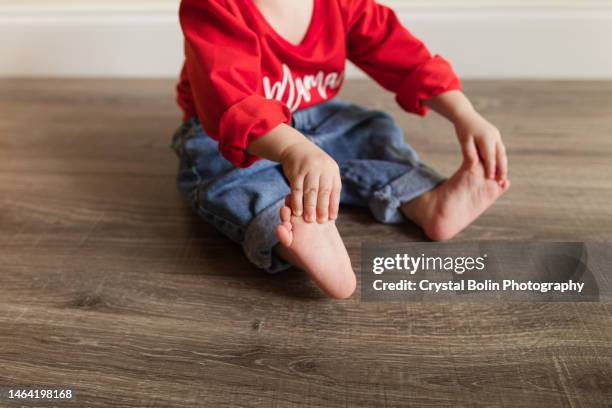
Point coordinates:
pixel 241 78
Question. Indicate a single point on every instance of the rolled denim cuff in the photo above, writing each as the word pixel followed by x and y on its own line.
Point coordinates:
pixel 260 240
pixel 385 202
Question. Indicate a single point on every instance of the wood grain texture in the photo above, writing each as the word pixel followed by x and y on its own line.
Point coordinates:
pixel 109 285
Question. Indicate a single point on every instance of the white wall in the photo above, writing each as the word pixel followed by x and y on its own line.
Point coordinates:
pixel 483 38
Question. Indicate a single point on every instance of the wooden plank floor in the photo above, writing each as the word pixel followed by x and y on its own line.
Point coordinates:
pixel 110 286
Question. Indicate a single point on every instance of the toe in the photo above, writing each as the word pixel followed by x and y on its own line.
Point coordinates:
pixel 285 214
pixel 284 235
pixel 506 185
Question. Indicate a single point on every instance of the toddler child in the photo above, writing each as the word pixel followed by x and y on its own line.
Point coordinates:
pixel 264 136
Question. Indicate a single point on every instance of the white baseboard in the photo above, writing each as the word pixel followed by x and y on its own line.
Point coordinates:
pixel 564 43
pixel 519 42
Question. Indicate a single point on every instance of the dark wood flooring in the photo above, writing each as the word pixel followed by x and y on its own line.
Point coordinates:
pixel 111 287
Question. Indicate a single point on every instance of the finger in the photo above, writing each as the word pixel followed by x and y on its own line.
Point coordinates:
pixel 470 154
pixel 487 152
pixel 311 188
pixel 297 190
pixel 288 201
pixel 502 161
pixel 334 199
pixel 325 189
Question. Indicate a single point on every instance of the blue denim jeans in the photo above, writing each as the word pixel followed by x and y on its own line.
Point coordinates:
pixel 378 170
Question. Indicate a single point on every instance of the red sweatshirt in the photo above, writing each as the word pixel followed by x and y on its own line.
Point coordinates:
pixel 242 79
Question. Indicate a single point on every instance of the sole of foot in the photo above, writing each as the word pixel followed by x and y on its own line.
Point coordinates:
pixel 446 210
pixel 317 249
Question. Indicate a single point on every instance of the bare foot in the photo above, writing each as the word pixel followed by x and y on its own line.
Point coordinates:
pixel 319 250
pixel 449 208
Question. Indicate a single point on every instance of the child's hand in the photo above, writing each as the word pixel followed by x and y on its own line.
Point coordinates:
pixel 315 183
pixel 479 138
pixel 313 175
